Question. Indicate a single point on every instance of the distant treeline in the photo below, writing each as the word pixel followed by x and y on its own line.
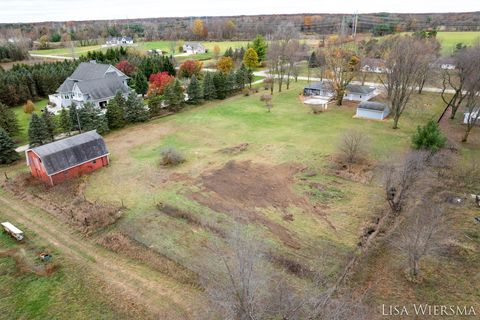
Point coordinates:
pixel 240 27
pixel 29 82
pixel 12 52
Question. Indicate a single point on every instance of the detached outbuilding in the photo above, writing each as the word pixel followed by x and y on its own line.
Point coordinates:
pixel 372 110
pixel 69 158
pixel 357 92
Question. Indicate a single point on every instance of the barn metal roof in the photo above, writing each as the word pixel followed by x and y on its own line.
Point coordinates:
pixel 70 152
pixel 371 105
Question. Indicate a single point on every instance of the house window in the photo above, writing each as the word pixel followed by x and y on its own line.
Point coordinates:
pixel 94 161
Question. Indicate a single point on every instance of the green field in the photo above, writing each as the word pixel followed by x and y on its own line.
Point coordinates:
pixel 448 40
pixel 64 294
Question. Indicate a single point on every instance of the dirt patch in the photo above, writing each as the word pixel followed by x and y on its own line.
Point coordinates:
pixel 125 245
pixel 359 172
pixel 240 188
pixel 236 149
pixel 254 185
pixel 24 263
pixel 292 266
pixel 65 201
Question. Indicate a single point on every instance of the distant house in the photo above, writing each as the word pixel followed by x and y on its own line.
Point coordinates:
pixel 356 92
pixel 119 41
pixel 373 65
pixel 90 82
pixel 470 117
pixel 194 48
pixel 446 63
pixel 372 110
pixel 319 89
pixel 65 159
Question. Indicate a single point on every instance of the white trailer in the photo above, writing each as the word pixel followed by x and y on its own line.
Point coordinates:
pixel 13 231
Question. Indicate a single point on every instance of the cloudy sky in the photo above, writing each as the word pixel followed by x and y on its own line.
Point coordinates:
pixel 61 10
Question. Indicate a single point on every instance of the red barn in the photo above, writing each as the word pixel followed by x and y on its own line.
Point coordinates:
pixel 68 158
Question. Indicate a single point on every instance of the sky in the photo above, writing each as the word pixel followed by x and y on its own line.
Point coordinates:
pixel 64 10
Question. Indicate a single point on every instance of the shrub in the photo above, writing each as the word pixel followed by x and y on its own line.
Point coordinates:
pixel 171 156
pixel 428 137
pixel 353 146
pixel 29 107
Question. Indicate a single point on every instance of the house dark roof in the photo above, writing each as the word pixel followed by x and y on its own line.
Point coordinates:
pixel 89 71
pixel 446 60
pixel 356 88
pixel 371 105
pixel 102 88
pixel 70 152
pixel 66 86
pixel 195 45
pixel 319 86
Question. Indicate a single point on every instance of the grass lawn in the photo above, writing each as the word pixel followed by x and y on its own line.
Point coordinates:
pixel 61 295
pixel 288 135
pixel 24 120
pixel 449 39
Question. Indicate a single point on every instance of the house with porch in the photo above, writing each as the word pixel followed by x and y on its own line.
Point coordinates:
pixel 194 48
pixel 92 82
pixel 119 41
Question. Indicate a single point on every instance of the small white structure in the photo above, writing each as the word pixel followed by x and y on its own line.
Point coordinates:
pixel 446 63
pixel 194 48
pixel 118 41
pixel 373 65
pixel 372 110
pixel 317 104
pixel 13 231
pixel 470 117
pixel 356 92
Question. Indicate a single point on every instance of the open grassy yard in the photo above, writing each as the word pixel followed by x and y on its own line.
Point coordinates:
pixel 274 172
pixel 448 39
pixel 62 294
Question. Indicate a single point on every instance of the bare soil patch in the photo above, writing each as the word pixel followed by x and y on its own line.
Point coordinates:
pixel 235 149
pixel 25 263
pixel 240 188
pixel 65 201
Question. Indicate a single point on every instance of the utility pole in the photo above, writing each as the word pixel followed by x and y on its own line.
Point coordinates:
pixel 356 25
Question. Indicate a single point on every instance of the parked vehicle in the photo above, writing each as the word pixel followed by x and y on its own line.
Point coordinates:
pixel 13 231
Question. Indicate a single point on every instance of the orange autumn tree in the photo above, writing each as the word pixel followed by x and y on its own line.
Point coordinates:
pixel 158 82
pixel 190 68
pixel 225 64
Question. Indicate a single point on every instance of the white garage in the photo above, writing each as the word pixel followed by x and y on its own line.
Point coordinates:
pixel 372 110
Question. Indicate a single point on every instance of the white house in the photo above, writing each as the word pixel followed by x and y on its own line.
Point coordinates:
pixel 468 117
pixel 373 65
pixel 90 82
pixel 119 41
pixel 356 92
pixel 372 110
pixel 194 48
pixel 319 89
pixel 446 63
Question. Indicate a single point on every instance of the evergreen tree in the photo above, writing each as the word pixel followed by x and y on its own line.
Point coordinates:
pixel 155 105
pixel 220 83
pixel 135 110
pixel 65 121
pixel 8 120
pixel 91 118
pixel 312 61
pixel 37 131
pixel 169 66
pixel 194 91
pixel 174 96
pixel 229 53
pixel 260 47
pixel 241 77
pixel 49 120
pixel 7 148
pixel 230 83
pixel 209 92
pixel 141 83
pixel 116 112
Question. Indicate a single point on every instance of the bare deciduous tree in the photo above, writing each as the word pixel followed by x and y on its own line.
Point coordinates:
pixel 399 180
pixel 421 234
pixel 342 64
pixel 472 89
pixel 404 61
pixel 431 51
pixel 353 146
